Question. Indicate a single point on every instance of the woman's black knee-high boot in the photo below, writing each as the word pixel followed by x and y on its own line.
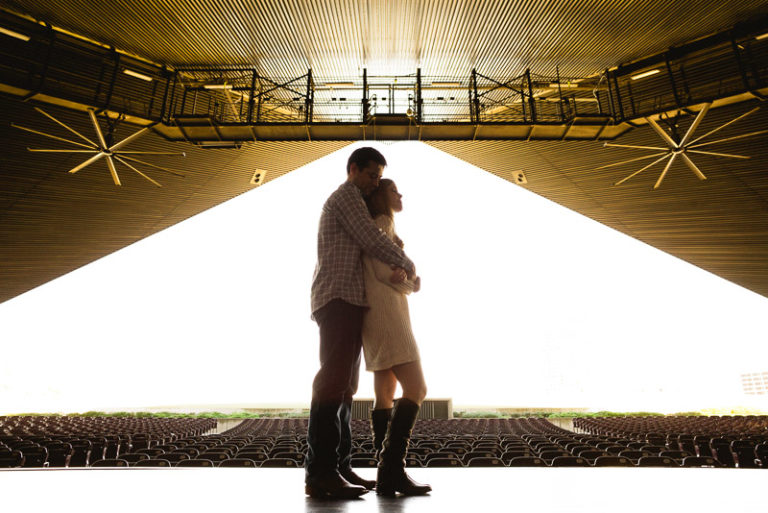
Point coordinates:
pixel 391 477
pixel 379 424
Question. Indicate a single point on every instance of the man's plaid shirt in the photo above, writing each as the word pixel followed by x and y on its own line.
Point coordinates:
pixel 346 230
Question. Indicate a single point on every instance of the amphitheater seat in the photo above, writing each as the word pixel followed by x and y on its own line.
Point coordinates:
pixel 11 459
pixel 34 456
pixel 133 457
pixel 484 462
pixel 280 463
pixel 191 451
pixel 569 461
pixel 116 462
pixel 411 460
pixel 292 455
pixel 761 451
pixel 362 462
pixel 257 456
pixel 703 448
pixel 421 451
pixel 722 452
pixel 745 453
pixel 215 456
pixel 612 461
pixel 478 454
pixel 575 447
pixel 677 455
pixel 445 462
pixel 153 462
pixel 655 449
pixel 195 463
pixel 687 444
pixel 151 452
pixel 461 447
pixel 176 457
pixel 81 453
pixel 527 461
pixel 98 448
pixel 656 461
pixel 238 463
pixel 549 455
pixel 59 454
pixel 634 455
pixel 591 454
pixel 697 461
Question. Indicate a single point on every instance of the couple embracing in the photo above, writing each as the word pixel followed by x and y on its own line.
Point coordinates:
pixel 359 302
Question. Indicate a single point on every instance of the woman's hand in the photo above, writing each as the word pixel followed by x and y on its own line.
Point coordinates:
pixel 398 275
pixel 417 284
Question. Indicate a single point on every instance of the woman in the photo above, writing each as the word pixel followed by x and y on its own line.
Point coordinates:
pixel 391 353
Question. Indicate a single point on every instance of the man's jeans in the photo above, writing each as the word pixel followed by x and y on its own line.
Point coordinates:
pixel 329 436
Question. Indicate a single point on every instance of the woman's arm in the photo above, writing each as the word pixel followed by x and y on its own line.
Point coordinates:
pixel 383 273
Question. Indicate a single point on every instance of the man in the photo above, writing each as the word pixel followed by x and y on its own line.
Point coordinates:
pixel 338 304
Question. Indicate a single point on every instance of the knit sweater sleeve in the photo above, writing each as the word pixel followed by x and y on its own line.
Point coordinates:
pixel 383 271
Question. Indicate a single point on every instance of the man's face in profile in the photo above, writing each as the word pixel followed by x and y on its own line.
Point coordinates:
pixel 366 179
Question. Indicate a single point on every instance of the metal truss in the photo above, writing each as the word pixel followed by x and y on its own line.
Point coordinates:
pixel 233 104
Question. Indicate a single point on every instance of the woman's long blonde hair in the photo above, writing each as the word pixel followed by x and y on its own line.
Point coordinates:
pixel 377 202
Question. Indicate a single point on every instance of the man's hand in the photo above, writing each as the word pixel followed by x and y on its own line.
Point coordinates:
pixel 398 275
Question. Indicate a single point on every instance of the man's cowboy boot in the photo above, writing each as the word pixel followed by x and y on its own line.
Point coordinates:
pixel 345 449
pixel 322 479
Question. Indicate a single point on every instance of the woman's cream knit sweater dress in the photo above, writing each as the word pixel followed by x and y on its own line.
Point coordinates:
pixel 387 335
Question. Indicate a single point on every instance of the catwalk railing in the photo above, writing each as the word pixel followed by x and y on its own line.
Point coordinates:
pixel 222 104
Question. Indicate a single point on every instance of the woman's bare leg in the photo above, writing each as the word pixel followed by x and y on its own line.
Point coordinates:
pixel 411 378
pixel 384 386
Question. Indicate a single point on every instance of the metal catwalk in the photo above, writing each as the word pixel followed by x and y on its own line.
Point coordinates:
pixel 543 490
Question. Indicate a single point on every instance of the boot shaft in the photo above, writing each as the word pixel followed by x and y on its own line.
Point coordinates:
pixel 396 442
pixel 379 424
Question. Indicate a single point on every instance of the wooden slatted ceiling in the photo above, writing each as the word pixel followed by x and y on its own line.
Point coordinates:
pixel 338 38
pixel 719 224
pixel 52 222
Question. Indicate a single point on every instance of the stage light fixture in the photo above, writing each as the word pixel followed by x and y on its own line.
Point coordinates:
pixel 644 74
pixel 11 33
pixel 138 75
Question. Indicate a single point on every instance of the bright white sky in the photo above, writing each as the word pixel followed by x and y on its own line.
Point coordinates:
pixel 524 303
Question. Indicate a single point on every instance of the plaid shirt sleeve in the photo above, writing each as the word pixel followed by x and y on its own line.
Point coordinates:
pixel 356 220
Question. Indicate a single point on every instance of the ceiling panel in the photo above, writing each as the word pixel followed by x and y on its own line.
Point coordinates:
pixel 719 224
pixel 338 38
pixel 52 222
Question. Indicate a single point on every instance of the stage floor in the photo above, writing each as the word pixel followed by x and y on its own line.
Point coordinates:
pixel 531 490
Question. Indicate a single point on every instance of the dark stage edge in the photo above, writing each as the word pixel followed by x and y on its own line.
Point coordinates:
pixel 474 490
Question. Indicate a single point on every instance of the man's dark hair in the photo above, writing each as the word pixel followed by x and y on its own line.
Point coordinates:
pixel 362 156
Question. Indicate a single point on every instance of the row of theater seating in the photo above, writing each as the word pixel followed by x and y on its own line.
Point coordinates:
pixel 61 441
pixel 103 426
pixel 451 443
pixel 734 425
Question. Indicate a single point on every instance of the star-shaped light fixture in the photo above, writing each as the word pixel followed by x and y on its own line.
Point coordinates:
pixel 682 147
pixel 102 148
